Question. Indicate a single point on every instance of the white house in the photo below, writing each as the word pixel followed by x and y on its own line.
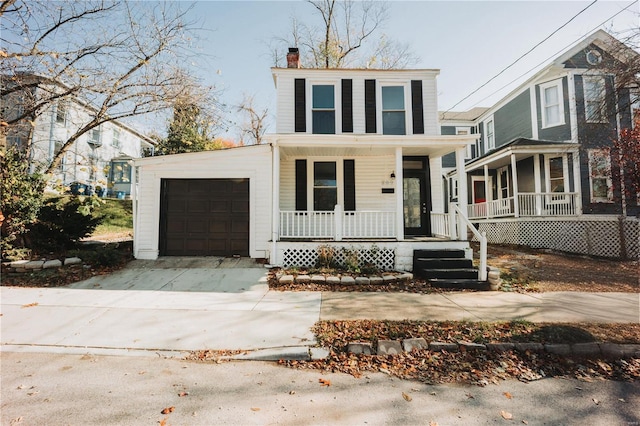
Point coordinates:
pixel 355 163
pixel 100 158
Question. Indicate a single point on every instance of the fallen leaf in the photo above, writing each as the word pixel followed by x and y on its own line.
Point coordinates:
pixel 524 422
pixel 622 400
pixel 325 382
pixel 406 397
pixel 16 420
pixel 596 401
pixel 433 424
pixel 292 392
pixel 255 409
pixel 468 395
pixel 163 422
pixel 507 395
pixel 506 415
pixel 168 410
pixel 181 394
pixel 30 305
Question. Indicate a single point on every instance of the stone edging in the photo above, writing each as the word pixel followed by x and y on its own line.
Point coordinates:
pixel 385 278
pixel 582 350
pixel 35 265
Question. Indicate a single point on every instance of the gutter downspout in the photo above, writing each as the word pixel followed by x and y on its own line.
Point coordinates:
pixel 275 202
pixel 134 203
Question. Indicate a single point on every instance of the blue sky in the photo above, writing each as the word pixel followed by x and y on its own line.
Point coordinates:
pixel 469 41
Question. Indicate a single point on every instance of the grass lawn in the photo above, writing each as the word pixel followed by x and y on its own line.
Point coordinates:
pixel 118 217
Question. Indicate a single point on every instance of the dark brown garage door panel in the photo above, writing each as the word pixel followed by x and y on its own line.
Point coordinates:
pixel 204 217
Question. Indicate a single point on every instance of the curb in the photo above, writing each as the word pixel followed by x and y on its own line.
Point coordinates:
pixel 581 350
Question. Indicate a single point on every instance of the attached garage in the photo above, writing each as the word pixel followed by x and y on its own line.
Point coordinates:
pixel 204 217
pixel 213 203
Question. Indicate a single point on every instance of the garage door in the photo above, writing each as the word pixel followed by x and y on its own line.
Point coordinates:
pixel 204 217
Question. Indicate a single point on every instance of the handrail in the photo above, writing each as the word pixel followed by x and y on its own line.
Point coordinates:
pixel 482 237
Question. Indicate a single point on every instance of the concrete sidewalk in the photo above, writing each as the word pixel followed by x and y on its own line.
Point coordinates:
pixel 211 305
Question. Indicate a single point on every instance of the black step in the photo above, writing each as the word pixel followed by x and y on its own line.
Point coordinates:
pixel 458 284
pixel 442 263
pixel 462 273
pixel 446 253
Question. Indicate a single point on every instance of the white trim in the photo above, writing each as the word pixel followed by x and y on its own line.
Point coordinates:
pixel 543 104
pixel 487 187
pixel 499 187
pixel 339 161
pixel 602 97
pixel 534 111
pixel 489 146
pixel 466 130
pixel 573 114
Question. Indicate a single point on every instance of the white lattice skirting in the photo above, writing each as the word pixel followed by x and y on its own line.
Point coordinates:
pixel 383 258
pixel 596 236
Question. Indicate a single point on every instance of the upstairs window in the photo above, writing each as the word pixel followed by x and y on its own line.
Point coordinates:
pixel 61 113
pixel 323 109
pixel 393 113
pixel 594 99
pixel 491 137
pixel 552 104
pixel 94 137
pixel 115 141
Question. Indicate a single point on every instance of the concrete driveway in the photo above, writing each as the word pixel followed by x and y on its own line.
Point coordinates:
pixel 173 304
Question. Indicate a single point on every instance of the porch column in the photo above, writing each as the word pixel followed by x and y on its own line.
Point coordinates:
pixel 462 191
pixel 577 186
pixel 537 176
pixel 399 196
pixel 275 203
pixel 487 195
pixel 514 179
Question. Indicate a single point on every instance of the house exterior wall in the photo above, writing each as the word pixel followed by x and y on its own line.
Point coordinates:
pixel 83 162
pixel 513 120
pixel 252 162
pixel 556 133
pixel 286 95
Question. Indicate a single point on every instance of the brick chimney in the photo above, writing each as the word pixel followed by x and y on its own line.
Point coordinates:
pixel 293 58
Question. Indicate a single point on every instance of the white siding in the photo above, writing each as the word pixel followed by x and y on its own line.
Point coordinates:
pixel 253 163
pixel 358 106
pixel 285 106
pixel 430 105
pixel 370 174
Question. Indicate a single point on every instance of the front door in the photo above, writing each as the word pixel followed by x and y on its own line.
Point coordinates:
pixel 416 195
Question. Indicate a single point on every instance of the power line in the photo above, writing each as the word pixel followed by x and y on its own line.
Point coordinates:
pixel 551 57
pixel 522 56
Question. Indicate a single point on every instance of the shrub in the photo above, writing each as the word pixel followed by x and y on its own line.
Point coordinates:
pixel 21 197
pixel 61 224
pixel 107 255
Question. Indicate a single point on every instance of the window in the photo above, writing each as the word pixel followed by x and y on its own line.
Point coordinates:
pixel 121 172
pixel 61 113
pixel 115 141
pixel 57 147
pixel 503 183
pixel 465 131
pixel 94 137
pixel 594 99
pixel 593 57
pixel 600 183
pixel 556 172
pixel 323 109
pixel 552 104
pixel 453 188
pixel 393 116
pixel 491 139
pixel 325 186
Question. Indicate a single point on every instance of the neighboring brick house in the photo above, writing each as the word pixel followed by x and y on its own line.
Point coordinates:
pixel 543 174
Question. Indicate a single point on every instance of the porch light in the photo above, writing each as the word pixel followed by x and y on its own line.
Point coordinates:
pixel 393 175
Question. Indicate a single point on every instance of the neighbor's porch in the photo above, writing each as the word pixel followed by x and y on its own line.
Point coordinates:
pixel 526 178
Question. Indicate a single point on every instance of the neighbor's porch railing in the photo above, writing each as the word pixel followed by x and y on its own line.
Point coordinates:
pixel 529 204
pixel 337 224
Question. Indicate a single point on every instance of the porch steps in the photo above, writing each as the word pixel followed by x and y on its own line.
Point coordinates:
pixel 447 269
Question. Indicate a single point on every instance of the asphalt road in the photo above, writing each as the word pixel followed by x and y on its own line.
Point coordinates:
pixel 55 389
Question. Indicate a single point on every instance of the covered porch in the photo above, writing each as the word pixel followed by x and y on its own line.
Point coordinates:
pixel 525 178
pixel 373 187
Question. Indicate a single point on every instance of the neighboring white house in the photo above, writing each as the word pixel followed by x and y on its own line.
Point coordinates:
pixel 355 163
pixel 101 158
pixel 543 173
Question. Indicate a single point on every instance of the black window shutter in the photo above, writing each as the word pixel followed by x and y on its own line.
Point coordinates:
pixel 349 185
pixel 370 106
pixel 416 106
pixel 347 106
pixel 301 184
pixel 300 106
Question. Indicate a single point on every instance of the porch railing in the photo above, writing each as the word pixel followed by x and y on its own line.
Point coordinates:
pixel 529 204
pixel 337 224
pixel 458 226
